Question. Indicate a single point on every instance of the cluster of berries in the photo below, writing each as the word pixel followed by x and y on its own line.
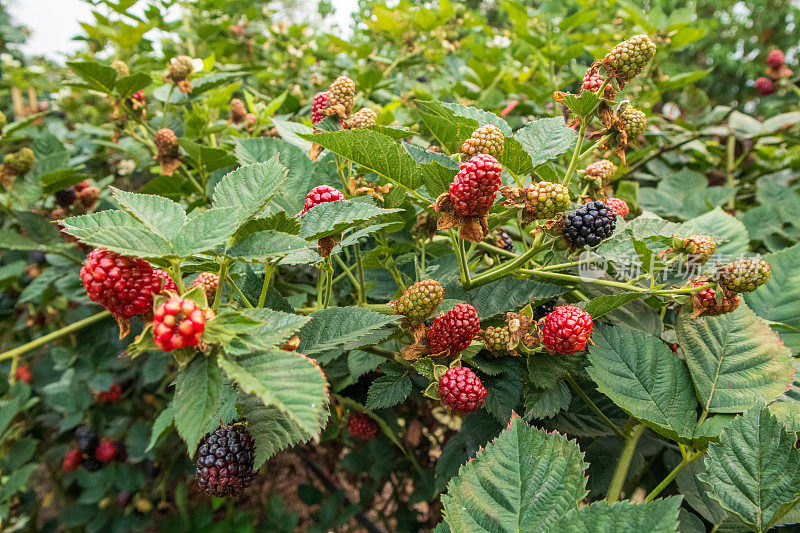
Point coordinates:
pixel 92 452
pixel 239 114
pixel 339 100
pixel 75 200
pixel 776 70
pixel 743 275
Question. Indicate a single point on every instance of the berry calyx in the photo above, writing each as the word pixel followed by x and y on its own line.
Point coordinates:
pixel 488 139
pixel 497 339
pixel 362 425
pixel 123 285
pixel 209 282
pixel 601 170
pixel 72 460
pixel 321 194
pixel 744 275
pixel 454 330
pixel 111 395
pixel 619 206
pixel 589 225
pixel 705 302
pixel 566 330
pixel 764 86
pixel 106 451
pixel 178 323
pixel 419 301
pixel 776 59
pixel 628 58
pixel 319 103
pixel 546 200
pixel 461 390
pixel 361 119
pixel 166 281
pixel 474 188
pixel 225 459
pixel 238 111
pixel 24 374
pixel 634 122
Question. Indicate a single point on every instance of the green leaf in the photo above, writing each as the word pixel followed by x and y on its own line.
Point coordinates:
pixel 642 375
pixel 206 230
pixel 130 84
pixel 735 360
pixel 777 300
pixel 684 194
pixel 524 477
pixel 250 188
pixel 119 232
pixel 277 329
pixel 388 390
pixel 545 139
pixel 602 305
pixel 344 327
pixel 582 105
pixel 730 233
pixel 162 422
pixel 546 403
pixel 16 481
pixel 98 77
pixel 160 215
pixel 196 395
pixel 504 391
pixel 263 245
pixel 272 429
pixel 333 217
pixel 659 516
pixel 266 374
pixel 697 493
pixel 788 414
pixel 754 470
pixel 227 326
pixel 507 294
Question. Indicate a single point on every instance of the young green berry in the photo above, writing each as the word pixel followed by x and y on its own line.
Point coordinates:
pixel 21 162
pixel 699 247
pixel 546 199
pixel 488 139
pixel 497 339
pixel 122 69
pixel 634 122
pixel 361 119
pixel 744 275
pixel 601 170
pixel 3 120
pixel 180 68
pixel 420 301
pixel 629 58
pixel 342 93
pixel 166 143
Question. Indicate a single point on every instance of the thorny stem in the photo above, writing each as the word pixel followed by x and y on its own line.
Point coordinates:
pixel 586 153
pixel 675 471
pixel 44 339
pixel 593 406
pixel 609 283
pixel 624 464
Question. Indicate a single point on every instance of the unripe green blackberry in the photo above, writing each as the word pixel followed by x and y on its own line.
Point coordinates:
pixel 342 93
pixel 602 170
pixel 420 301
pixel 122 68
pixel 546 199
pixel 634 122
pixel 700 247
pixel 488 139
pixel 361 119
pixel 180 68
pixel 744 275
pixel 497 339
pixel 20 162
pixel 629 58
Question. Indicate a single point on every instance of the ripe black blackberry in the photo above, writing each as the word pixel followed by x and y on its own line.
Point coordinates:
pixel 92 464
pixel 87 439
pixel 225 461
pixel 505 242
pixel 589 225
pixel 65 197
pixel 541 310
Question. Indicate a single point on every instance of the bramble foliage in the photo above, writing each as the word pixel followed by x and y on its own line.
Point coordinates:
pixel 468 295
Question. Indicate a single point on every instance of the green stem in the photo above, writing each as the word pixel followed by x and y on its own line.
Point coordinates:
pixel 262 298
pixel 593 406
pixel 608 283
pixel 223 275
pixel 573 164
pixel 349 274
pixel 589 151
pixel 362 286
pixel 239 292
pixel 44 339
pixel 675 471
pixel 730 171
pixel 494 249
pixel 624 464
pixel 463 268
pixel 178 276
pixel 504 269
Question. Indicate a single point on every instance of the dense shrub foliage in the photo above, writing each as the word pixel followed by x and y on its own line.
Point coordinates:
pixel 501 266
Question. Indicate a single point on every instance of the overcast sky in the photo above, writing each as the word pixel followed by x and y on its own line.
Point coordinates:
pixel 53 23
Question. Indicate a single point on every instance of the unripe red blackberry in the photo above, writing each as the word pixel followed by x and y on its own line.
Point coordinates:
pixel 178 323
pixel 776 59
pixel 106 451
pixel 589 225
pixel 474 188
pixel 765 86
pixel 238 111
pixel 209 282
pixel 361 119
pixel 72 460
pixel 454 330
pixel 629 58
pixel 138 96
pixel 488 139
pixel 123 285
pixel 250 119
pixel 321 194
pixel 166 281
pixel 497 339
pixel 566 330
pixel 592 82
pixel 24 374
pixel 111 395
pixel 619 206
pixel 705 301
pixel 122 68
pixel 124 498
pixel 744 275
pixel 166 142
pixel 601 170
pixel 362 425
pixel 420 301
pixel 634 122
pixel 89 196
pixel 699 247
pixel 20 162
pixel 461 390
pixel 225 459
pixel 546 199
pixel 341 96
pixel 320 101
